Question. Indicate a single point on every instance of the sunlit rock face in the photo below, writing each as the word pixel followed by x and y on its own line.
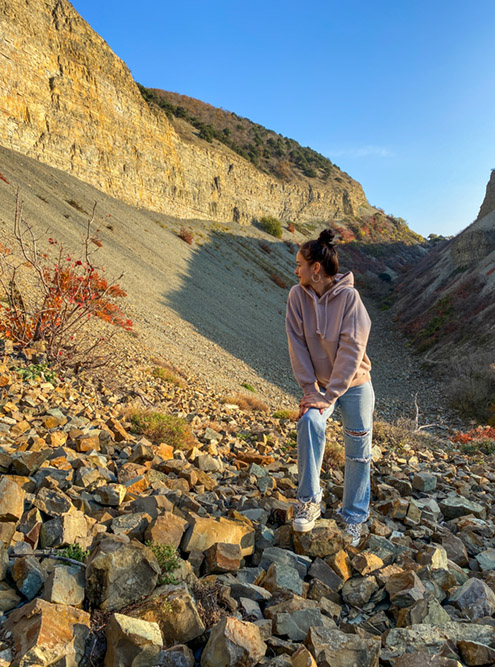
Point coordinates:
pixel 69 101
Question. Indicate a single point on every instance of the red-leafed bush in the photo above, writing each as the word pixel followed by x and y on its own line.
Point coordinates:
pixel 53 298
pixel 185 235
pixel 278 281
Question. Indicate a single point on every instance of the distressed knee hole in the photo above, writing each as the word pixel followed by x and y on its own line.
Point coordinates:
pixel 357 459
pixel 357 434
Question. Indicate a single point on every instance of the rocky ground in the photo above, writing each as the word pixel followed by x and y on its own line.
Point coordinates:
pixel 86 502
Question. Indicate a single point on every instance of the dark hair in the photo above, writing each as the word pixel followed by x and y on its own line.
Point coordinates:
pixel 322 250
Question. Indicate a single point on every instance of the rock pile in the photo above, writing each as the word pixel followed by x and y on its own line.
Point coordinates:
pixel 242 588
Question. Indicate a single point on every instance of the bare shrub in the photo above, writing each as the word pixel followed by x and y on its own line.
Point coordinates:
pixel 54 300
pixel 246 402
pixel 265 247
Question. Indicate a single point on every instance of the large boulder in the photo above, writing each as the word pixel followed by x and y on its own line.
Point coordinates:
pixel 46 634
pixel 132 642
pixel 233 643
pixel 204 532
pixel 119 572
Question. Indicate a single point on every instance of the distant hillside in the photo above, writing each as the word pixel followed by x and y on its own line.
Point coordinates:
pixel 446 304
pixel 267 150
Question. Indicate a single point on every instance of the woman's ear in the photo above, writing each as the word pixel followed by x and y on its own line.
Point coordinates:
pixel 316 268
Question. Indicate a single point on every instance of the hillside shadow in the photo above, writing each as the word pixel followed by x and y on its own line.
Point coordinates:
pixel 230 298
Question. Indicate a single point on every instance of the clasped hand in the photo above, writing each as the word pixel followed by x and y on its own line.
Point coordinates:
pixel 313 400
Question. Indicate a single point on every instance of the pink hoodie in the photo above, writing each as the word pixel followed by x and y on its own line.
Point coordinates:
pixel 327 337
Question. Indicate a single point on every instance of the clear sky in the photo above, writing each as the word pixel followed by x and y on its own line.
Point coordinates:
pixel 398 93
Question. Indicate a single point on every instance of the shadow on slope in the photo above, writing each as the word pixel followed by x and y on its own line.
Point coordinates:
pixel 230 297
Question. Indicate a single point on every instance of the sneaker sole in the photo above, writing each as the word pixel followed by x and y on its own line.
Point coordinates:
pixel 306 527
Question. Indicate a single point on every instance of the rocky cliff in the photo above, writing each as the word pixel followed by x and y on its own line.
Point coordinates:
pixel 69 101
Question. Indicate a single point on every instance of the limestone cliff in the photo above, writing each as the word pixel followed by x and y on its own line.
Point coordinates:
pixel 66 99
pixel 488 204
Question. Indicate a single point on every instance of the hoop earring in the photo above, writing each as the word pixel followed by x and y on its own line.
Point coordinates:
pixel 313 278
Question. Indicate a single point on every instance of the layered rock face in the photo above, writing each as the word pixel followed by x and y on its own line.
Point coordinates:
pixel 478 241
pixel 69 101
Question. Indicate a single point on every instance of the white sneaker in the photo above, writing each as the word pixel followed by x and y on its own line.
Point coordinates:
pixel 354 531
pixel 305 515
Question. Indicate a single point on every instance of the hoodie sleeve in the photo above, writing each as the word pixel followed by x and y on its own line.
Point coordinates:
pixel 300 359
pixel 351 349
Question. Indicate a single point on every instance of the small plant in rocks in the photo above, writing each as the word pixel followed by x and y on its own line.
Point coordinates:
pixel 34 371
pixel 159 427
pixel 246 402
pixel 167 376
pixel 76 552
pixel 168 560
pixel 271 226
pixel 248 386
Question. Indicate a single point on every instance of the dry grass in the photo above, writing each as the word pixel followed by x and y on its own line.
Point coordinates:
pixel 209 602
pixel 246 402
pixel 159 427
pixel 292 415
pixel 167 376
pixel 334 456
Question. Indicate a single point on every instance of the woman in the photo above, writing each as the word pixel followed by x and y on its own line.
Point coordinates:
pixel 327 329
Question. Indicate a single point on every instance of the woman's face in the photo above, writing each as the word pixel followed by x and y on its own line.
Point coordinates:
pixel 304 270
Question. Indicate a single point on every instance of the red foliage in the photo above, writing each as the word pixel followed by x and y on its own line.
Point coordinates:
pixel 2 178
pixel 55 310
pixel 278 281
pixel 291 228
pixel 478 433
pixel 489 273
pixel 185 235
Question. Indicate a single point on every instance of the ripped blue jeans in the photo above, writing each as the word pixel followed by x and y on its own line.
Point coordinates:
pixel 357 405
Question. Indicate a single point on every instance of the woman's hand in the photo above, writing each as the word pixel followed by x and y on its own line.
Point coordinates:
pixel 313 400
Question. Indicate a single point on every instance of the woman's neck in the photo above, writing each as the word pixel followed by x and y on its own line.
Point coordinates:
pixel 323 285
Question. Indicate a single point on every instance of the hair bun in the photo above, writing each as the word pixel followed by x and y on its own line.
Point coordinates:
pixel 326 237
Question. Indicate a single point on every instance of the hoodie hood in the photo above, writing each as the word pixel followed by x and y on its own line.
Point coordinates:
pixel 341 281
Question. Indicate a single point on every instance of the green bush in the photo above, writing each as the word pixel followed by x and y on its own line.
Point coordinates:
pixel 167 558
pixel 272 226
pixel 158 427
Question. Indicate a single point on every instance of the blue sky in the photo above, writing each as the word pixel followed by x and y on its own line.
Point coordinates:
pixel 398 93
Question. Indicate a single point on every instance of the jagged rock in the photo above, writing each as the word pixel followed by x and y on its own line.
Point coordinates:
pixel 53 502
pixel 333 648
pixel 405 588
pixel 28 576
pixel 45 634
pixel 340 564
pixel 131 642
pixel 175 611
pixel 400 640
pixel 435 556
pixel 11 501
pixel 423 611
pixel 222 557
pixel 132 525
pixel 64 530
pixel 424 481
pixel 486 559
pixel 8 597
pixel 251 591
pixel 302 658
pixel 366 563
pixel 167 528
pixel 204 532
pixel 110 495
pixel 456 550
pixel 119 572
pixel 424 659
pixel 475 599
pixel 176 656
pixel 233 643
pixel 475 654
pixel 285 557
pixel 282 577
pixel 322 571
pixel 324 540
pixel 65 585
pixel 293 617
pixel 358 590
pixel 456 506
